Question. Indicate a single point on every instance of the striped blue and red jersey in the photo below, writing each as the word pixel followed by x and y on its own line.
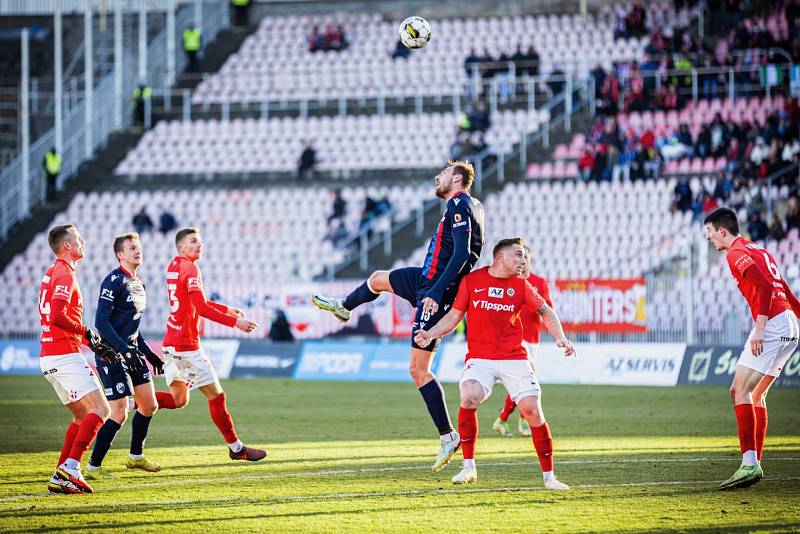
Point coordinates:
pixel 462 219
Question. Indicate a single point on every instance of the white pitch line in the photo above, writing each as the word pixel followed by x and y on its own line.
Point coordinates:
pixel 405 493
pixel 387 469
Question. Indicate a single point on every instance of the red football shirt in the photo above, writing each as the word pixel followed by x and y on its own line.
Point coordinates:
pixel 493 306
pixel 183 323
pixel 531 320
pixel 60 283
pixel 745 254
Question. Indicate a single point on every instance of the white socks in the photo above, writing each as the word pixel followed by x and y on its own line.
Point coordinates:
pixel 70 463
pixel 749 458
pixel 469 464
pixel 548 475
pixel 136 456
pixel 236 446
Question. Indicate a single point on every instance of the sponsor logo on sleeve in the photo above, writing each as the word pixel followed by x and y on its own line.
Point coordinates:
pixel 61 290
pixel 195 282
pixel 106 294
pixel 743 262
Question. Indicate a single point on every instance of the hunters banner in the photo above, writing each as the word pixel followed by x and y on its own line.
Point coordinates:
pixel 603 306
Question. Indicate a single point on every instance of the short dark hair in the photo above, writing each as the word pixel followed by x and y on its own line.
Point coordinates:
pixel 723 218
pixel 184 232
pixel 465 170
pixel 119 241
pixel 507 242
pixel 57 236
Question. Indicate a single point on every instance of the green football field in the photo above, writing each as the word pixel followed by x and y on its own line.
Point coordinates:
pixel 349 457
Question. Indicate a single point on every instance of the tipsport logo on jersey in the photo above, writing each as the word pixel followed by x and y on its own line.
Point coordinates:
pixel 716 364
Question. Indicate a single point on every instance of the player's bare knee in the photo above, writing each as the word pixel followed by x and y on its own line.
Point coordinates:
pixel 419 373
pixel 180 400
pixel 379 281
pixel 103 411
pixel 119 413
pixel 148 410
pixel 471 394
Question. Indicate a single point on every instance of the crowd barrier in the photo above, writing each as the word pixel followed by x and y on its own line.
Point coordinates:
pixel 621 364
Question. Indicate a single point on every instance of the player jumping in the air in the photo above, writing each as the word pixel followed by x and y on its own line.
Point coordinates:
pixel 61 310
pixel 119 312
pixel 531 324
pixel 186 365
pixel 493 299
pixel 454 249
pixel 771 342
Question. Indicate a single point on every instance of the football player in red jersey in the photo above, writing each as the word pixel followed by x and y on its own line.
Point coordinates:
pixel 771 342
pixel 186 365
pixel 531 324
pixel 493 299
pixel 61 362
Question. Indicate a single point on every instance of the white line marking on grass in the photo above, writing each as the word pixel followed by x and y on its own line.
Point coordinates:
pixel 386 469
pixel 406 493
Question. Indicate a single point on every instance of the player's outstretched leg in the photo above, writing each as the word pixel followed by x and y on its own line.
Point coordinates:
pixel 531 408
pixel 501 425
pixel 744 382
pixel 370 290
pixel 218 408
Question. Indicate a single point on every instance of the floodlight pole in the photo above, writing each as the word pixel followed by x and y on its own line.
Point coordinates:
pixel 117 65
pixel 24 197
pixel 170 44
pixel 88 99
pixel 58 69
pixel 142 41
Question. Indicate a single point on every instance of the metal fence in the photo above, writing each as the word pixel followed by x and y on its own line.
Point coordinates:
pixel 108 111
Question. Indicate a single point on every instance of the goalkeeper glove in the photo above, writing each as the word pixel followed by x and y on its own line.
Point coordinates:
pixel 133 359
pixel 155 361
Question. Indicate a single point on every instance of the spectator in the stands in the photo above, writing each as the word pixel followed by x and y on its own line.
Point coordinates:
pixel 478 118
pixel 621 25
pixel 383 206
pixel 792 213
pixel 307 162
pixel 52 168
pixel 760 151
pixel 756 227
pixel 586 163
pixel 636 97
pixel 280 330
pixel 776 228
pixel 142 222
pixel 461 146
pixel 636 21
pixel 682 197
pixel 166 222
pixel 192 42
pixel 400 50
pixel 472 64
pixel 600 167
pixel 314 40
pixel 338 207
pixel 338 235
pixel 598 76
pixel 556 81
pixel 609 95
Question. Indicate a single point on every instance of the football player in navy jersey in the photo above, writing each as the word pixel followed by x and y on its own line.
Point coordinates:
pixel 454 249
pixel 119 312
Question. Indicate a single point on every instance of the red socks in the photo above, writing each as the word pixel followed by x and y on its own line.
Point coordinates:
pixel 85 436
pixel 69 439
pixel 761 429
pixel 746 419
pixel 543 444
pixel 165 400
pixel 468 430
pixel 221 418
pixel 508 409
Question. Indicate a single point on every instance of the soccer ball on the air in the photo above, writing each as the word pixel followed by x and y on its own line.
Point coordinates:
pixel 415 32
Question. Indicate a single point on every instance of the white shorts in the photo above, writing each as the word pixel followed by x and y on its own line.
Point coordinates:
pixel 533 351
pixel 780 342
pixel 70 376
pixel 192 367
pixel 516 375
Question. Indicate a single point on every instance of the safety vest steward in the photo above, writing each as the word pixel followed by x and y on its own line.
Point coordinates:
pixel 143 94
pixel 52 163
pixel 240 3
pixel 191 39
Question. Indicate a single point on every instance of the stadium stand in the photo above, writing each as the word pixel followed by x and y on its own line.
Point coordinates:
pixel 276 64
pixel 265 236
pixel 350 142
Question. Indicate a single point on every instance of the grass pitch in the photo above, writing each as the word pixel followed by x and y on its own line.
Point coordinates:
pixel 356 456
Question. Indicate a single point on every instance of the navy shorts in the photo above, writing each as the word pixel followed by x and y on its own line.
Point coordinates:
pixel 407 283
pixel 118 382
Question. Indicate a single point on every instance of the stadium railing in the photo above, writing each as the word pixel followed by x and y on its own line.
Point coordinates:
pixel 104 121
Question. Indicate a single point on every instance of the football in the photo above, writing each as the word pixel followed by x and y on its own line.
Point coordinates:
pixel 415 32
